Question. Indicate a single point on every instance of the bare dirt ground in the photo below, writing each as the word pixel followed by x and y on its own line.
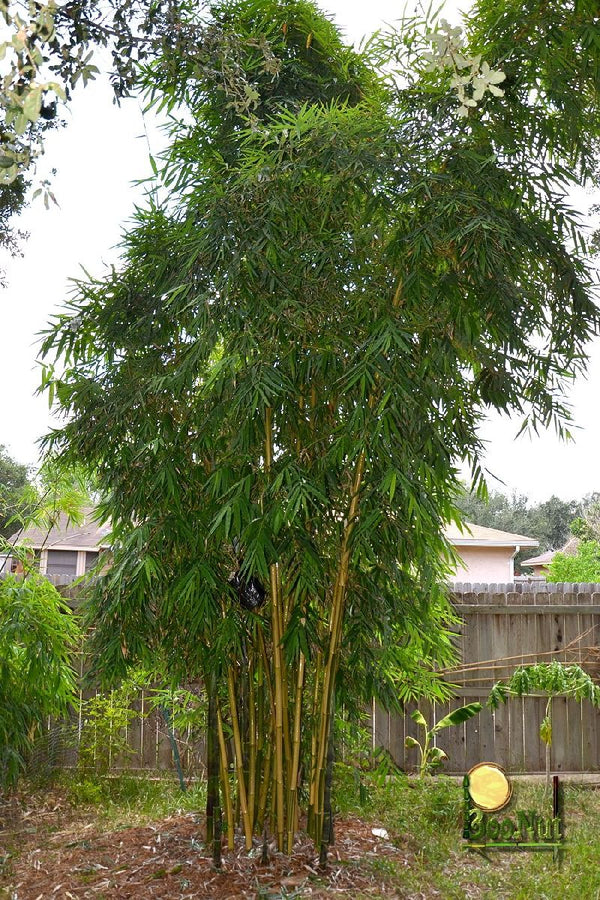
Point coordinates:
pixel 52 851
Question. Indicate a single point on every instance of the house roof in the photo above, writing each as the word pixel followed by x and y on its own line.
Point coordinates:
pixel 571 547
pixel 65 535
pixel 90 536
pixel 544 559
pixel 471 535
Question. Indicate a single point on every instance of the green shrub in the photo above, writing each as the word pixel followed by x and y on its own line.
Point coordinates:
pixel 86 792
pixel 104 720
pixel 584 566
pixel 38 634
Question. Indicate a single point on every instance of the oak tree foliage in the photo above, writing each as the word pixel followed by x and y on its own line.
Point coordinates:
pixel 14 484
pixel 548 521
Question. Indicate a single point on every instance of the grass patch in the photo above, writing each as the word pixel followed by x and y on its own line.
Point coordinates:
pixel 128 798
pixel 426 817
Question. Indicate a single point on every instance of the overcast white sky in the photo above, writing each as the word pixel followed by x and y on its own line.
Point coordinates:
pixel 98 155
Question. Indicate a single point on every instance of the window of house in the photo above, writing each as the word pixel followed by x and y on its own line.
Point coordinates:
pixel 91 560
pixel 62 562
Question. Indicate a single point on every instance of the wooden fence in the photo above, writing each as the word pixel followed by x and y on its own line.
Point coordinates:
pixel 504 626
pixel 147 737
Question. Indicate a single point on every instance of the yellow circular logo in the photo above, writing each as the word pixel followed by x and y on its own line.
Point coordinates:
pixel 489 787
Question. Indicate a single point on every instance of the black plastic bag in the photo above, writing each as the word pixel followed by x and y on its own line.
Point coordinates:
pixel 250 593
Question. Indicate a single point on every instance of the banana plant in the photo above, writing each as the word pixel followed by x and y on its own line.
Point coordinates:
pixel 431 756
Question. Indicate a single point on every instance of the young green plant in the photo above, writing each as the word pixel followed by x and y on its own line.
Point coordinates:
pixel 431 756
pixel 552 679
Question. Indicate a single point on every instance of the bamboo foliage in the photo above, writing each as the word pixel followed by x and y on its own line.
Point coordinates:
pixel 38 639
pixel 275 388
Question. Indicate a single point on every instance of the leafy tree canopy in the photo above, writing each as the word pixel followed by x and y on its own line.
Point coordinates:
pixel 14 494
pixel 549 522
pixel 586 525
pixel 49 49
pixel 37 637
pixel 356 255
pixel 583 566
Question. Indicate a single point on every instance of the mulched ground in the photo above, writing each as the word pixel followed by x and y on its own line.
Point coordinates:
pixel 50 853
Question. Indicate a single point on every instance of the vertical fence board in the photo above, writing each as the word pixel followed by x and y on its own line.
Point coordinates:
pixel 589 715
pixel 381 731
pixel 396 747
pixel 500 651
pixel 516 746
pixel 134 736
pixel 164 752
pixel 470 735
pixel 580 723
pixel 150 741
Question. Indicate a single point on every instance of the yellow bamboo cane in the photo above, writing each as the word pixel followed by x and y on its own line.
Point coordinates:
pixel 276 617
pixel 252 742
pixel 279 701
pixel 295 766
pixel 283 618
pixel 239 764
pixel 225 782
pixel 336 623
pixel 313 744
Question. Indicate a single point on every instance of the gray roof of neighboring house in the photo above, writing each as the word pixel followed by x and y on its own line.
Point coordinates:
pixel 471 535
pixel 65 535
pixel 90 535
pixel 544 559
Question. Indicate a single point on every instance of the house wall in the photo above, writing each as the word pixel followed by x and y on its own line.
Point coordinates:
pixel 485 564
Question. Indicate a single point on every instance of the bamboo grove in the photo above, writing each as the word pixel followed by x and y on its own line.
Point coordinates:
pixel 333 278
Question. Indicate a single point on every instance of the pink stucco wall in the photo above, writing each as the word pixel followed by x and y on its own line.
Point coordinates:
pixel 485 564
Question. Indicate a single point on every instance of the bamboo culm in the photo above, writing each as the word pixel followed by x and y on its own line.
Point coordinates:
pixel 225 783
pixel 212 756
pixel 239 761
